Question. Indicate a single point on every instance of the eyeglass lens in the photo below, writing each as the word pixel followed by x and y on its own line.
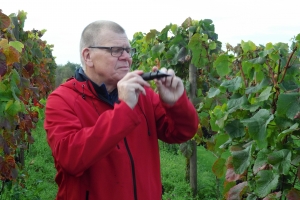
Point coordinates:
pixel 118 51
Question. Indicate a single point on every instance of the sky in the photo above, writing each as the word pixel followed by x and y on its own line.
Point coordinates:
pixel 260 21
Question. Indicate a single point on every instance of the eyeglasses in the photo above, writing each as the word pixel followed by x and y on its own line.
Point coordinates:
pixel 117 51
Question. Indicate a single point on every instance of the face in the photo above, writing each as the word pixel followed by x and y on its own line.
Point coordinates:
pixel 101 66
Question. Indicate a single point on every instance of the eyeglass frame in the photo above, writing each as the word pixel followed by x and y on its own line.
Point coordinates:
pixel 111 52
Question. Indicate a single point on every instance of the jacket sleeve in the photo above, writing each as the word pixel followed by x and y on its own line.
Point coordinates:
pixel 177 123
pixel 76 147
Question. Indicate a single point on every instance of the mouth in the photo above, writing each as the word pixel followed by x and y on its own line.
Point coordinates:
pixel 124 67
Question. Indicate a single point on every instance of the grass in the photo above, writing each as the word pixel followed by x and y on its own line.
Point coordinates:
pixel 173 176
pixel 36 181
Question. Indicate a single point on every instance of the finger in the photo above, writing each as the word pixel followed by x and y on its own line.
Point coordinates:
pixel 169 79
pixel 135 77
pixel 139 89
pixel 175 82
pixel 154 68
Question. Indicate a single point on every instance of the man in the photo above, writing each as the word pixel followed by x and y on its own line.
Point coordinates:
pixel 103 125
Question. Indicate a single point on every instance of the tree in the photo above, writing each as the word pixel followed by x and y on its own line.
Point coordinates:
pixel 63 72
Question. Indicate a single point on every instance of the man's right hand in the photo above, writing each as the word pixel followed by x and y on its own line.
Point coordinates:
pixel 130 87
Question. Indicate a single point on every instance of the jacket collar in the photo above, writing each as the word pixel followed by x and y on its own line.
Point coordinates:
pixel 100 90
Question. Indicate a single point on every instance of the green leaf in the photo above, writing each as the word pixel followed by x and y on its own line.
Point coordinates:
pixel 281 160
pixel 13 107
pixel 17 45
pixel 287 85
pixel 157 50
pixel 284 133
pixel 15 81
pixel 222 64
pixel 177 40
pixel 257 126
pixel 261 160
pixel 219 167
pixel 266 181
pixel 248 46
pixel 264 95
pixel 241 159
pixel 288 105
pixel 235 129
pixel 234 104
pixel 213 92
pixel 233 84
pixel 220 139
pixel 195 45
pixel 298 37
pixel 212 45
pixel 258 87
pixel 258 60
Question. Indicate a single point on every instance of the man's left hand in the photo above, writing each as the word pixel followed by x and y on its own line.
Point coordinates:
pixel 170 88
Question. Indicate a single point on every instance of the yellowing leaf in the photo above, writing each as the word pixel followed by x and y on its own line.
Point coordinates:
pixel 4 44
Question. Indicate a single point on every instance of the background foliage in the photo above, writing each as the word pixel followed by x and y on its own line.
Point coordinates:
pixel 27 70
pixel 248 101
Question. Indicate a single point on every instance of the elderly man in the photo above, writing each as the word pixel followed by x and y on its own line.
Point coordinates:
pixel 103 125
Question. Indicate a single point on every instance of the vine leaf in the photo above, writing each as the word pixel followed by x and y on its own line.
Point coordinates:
pixel 186 149
pixel 222 65
pixel 237 191
pixel 156 50
pixel 281 160
pixel 257 126
pixel 4 21
pixel 187 23
pixel 235 129
pixel 151 35
pixel 284 133
pixel 17 45
pixel 213 92
pixel 266 181
pixel 236 103
pixel 3 66
pixel 219 168
pixel 195 45
pixel 288 105
pixel 11 54
pixel 293 194
pixel 264 95
pixel 241 159
pixel 248 46
pixel 261 160
pixel 233 84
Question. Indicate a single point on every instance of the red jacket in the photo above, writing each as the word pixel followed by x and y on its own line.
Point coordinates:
pixel 105 152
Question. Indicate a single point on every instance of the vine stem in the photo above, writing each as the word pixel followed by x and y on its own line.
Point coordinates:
pixel 287 64
pixel 282 78
pixel 242 73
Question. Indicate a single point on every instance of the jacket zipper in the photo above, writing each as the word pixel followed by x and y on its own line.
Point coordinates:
pixel 87 195
pixel 132 169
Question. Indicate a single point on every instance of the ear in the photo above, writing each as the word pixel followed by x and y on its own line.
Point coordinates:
pixel 86 55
